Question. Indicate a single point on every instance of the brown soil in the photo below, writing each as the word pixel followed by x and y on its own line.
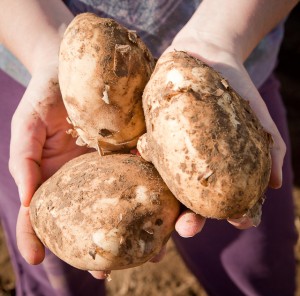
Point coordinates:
pixel 7 278
pixel 171 277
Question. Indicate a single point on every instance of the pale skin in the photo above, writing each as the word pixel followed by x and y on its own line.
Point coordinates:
pixel 221 34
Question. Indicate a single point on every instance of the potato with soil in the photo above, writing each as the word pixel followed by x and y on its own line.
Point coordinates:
pixel 204 139
pixel 104 213
pixel 103 69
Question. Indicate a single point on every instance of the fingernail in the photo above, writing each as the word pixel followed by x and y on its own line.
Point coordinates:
pixel 241 220
pixel 21 194
pixel 280 179
pixel 189 217
pixel 189 225
pixel 277 183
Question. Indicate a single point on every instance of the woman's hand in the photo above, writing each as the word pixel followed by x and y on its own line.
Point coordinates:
pixel 39 147
pixel 189 224
pixel 223 36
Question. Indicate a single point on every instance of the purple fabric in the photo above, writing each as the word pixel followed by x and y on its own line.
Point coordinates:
pixel 258 261
pixel 53 277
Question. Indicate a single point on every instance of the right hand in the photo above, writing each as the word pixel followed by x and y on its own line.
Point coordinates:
pixel 39 147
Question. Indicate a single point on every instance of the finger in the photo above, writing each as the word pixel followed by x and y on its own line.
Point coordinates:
pixel 242 223
pixel 189 224
pixel 135 152
pixel 159 256
pixel 26 173
pixel 277 153
pixel 28 243
pixel 28 135
pixel 101 275
pixel 251 218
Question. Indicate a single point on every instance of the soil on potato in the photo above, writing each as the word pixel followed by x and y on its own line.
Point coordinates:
pixel 171 277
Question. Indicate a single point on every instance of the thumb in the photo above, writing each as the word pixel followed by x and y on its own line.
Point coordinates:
pixel 277 153
pixel 26 173
pixel 30 247
pixel 189 224
pixel 27 138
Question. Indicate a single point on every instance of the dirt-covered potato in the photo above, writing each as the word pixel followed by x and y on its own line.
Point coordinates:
pixel 204 139
pixel 103 69
pixel 104 213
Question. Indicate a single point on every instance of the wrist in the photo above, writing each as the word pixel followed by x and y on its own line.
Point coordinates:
pixel 34 37
pixel 209 41
pixel 45 52
pixel 206 50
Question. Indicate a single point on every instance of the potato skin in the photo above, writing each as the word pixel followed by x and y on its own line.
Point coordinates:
pixel 103 69
pixel 204 139
pixel 104 213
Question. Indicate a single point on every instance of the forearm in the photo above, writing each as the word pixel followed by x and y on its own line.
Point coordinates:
pixel 32 29
pixel 234 26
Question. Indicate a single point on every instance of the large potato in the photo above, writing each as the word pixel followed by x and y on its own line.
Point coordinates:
pixel 104 213
pixel 103 69
pixel 204 139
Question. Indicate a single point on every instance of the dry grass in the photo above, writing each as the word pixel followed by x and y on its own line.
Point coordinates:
pixel 170 277
pixel 7 278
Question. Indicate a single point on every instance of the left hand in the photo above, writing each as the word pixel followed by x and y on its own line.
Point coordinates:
pixel 189 223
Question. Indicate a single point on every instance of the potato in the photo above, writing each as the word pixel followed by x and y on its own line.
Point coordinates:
pixel 103 69
pixel 104 213
pixel 204 139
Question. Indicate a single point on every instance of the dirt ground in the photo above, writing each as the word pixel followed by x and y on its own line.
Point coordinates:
pixel 171 277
